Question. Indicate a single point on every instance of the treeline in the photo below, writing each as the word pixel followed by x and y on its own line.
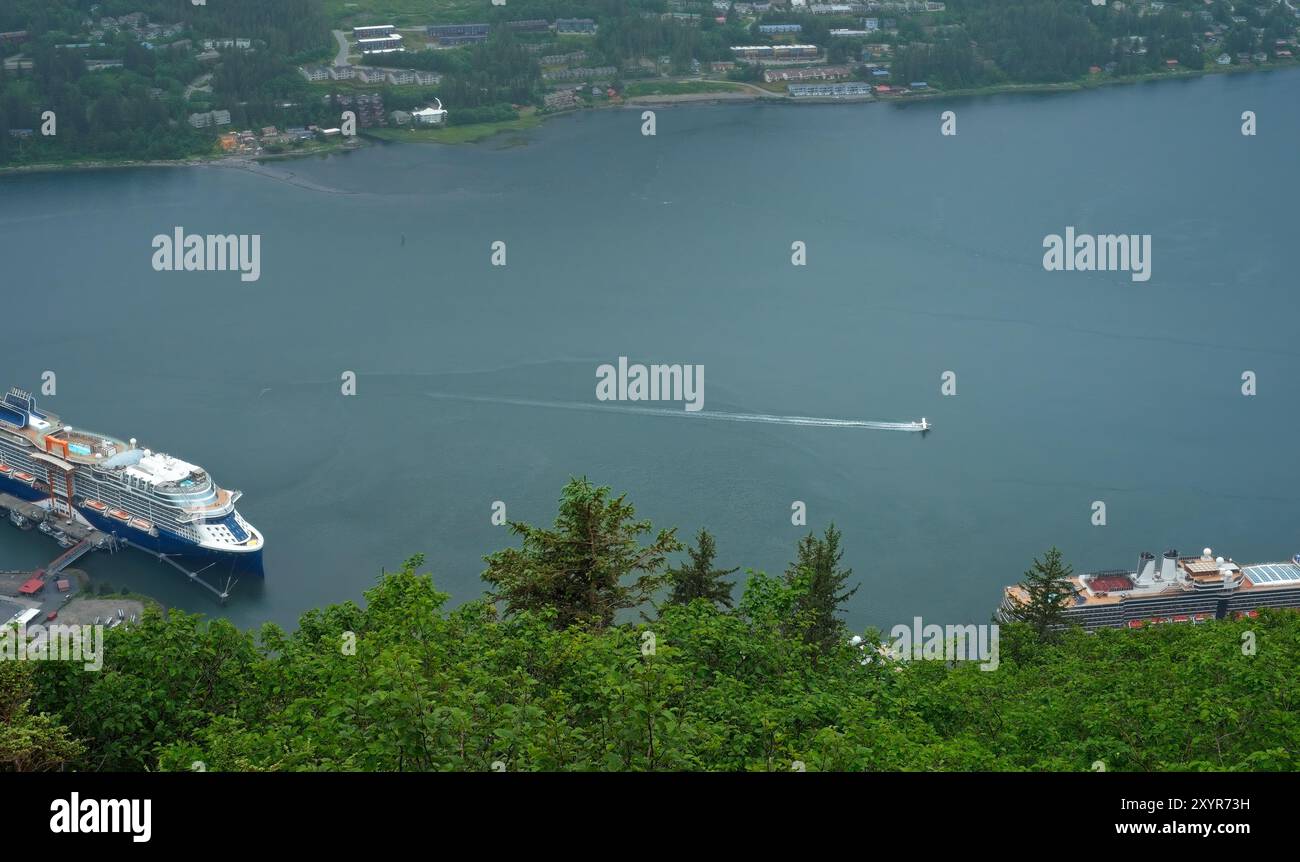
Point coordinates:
pixel 593 651
pixel 141 110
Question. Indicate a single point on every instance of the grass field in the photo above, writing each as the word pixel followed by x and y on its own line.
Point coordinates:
pixel 677 88
pixel 528 119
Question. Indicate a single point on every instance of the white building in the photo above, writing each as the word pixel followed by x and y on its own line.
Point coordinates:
pixel 430 116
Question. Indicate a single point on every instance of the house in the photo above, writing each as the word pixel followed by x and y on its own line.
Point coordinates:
pixel 1223 60
pixel 560 100
pixel 400 118
pixel 210 118
pixel 228 142
pixel 342 73
pixel 315 73
pixel 532 25
pixel 371 75
pixel 401 77
pixel 884 89
pixel 430 116
pixel 837 91
pixel 815 73
pixel 427 79
pixel 380 44
pixel 376 31
pixel 101 65
pixel 579 26
pixel 14 37
pixel 775 29
pixel 457 34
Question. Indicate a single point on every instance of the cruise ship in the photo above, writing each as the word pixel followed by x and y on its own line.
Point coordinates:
pixel 1174 589
pixel 153 501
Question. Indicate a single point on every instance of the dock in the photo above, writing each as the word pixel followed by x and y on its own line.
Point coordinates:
pixel 88 539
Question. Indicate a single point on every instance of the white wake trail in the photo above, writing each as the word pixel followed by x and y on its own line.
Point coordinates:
pixel 813 421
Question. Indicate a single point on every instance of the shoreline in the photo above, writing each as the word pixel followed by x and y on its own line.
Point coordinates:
pixel 749 93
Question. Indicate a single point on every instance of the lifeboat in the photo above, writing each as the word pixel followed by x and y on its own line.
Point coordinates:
pixel 5 469
pixel 141 524
pixel 25 477
pixel 119 514
pixel 97 505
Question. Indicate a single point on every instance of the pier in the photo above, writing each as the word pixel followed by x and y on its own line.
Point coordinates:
pixel 88 539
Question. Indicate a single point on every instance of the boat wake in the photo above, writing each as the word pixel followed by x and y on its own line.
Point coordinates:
pixel 718 416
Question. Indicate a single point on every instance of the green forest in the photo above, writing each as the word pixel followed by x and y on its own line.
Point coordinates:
pixel 601 646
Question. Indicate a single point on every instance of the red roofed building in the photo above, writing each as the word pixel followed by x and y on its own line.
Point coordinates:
pixel 32 587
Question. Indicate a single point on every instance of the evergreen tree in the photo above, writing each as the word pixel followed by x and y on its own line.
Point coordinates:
pixel 820 582
pixel 1047 590
pixel 698 579
pixel 579 568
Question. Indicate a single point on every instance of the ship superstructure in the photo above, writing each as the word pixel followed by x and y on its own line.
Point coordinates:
pixel 1175 589
pixel 148 499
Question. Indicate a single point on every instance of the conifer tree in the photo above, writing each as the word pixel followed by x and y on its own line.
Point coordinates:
pixel 698 579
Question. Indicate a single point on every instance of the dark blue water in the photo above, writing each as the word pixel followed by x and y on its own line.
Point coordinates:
pixel 924 256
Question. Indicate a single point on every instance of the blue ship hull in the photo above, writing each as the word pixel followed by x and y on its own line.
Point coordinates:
pixel 183 551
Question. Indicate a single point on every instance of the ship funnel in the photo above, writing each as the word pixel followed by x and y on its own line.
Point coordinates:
pixel 1146 566
pixel 1169 566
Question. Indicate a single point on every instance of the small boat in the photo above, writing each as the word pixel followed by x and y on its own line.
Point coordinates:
pixel 5 469
pixel 46 528
pixel 924 425
pixel 119 514
pixel 121 614
pixel 97 505
pixel 25 477
pixel 141 524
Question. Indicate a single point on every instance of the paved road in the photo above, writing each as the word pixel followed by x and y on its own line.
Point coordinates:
pixel 200 83
pixel 342 58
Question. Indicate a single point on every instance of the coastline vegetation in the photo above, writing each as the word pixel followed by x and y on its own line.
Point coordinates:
pixel 554 670
pixel 135 106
